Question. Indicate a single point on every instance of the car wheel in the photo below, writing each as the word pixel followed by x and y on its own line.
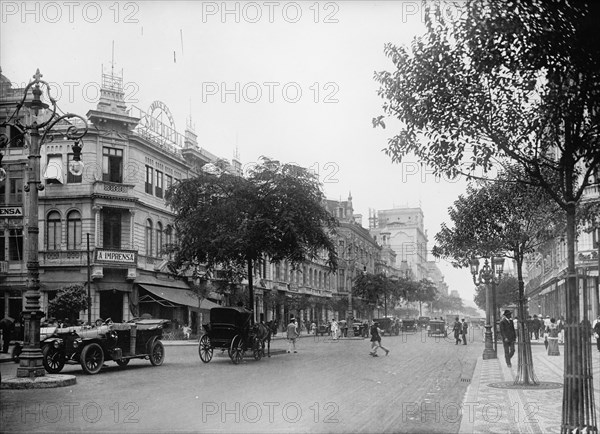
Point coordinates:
pixel 157 353
pixel 123 362
pixel 53 359
pixel 205 350
pixel 92 358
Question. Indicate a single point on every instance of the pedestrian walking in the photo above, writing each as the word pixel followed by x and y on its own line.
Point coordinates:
pixel 553 338
pixel 465 326
pixel 334 329
pixel 376 340
pixel 597 332
pixel 292 335
pixel 457 329
pixel 561 329
pixel 536 325
pixel 507 331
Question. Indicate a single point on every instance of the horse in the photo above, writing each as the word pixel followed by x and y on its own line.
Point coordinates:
pixel 264 332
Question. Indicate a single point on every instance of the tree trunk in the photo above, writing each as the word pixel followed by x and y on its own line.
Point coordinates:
pixel 250 290
pixel 525 372
pixel 578 410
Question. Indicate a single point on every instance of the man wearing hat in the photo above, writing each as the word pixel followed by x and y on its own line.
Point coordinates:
pixel 509 336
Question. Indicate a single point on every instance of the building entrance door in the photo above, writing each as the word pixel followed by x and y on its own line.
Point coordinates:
pixel 111 305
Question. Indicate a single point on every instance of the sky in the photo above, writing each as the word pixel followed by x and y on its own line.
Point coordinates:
pixel 293 81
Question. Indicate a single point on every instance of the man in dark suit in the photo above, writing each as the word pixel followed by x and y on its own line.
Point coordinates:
pixel 509 336
pixel 457 329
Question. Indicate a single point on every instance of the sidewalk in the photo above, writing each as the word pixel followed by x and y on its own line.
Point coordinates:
pixel 488 409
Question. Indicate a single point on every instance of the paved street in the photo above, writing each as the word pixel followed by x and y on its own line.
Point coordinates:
pixel 327 386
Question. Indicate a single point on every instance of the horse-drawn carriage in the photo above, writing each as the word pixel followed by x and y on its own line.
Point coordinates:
pixel 230 329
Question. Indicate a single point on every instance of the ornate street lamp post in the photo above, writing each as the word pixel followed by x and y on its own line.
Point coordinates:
pixel 351 260
pixel 37 129
pixel 488 275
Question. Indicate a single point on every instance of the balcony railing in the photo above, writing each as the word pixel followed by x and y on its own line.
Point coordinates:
pixel 49 258
pixel 113 189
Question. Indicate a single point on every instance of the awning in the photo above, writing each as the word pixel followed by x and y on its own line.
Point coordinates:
pixel 54 168
pixel 144 279
pixel 177 296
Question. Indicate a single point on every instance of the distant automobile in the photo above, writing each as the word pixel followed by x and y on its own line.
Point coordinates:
pixel 423 321
pixel 437 328
pixel 409 325
pixel 324 329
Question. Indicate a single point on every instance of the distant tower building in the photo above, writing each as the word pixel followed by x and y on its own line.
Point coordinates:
pixel 436 276
pixel 403 230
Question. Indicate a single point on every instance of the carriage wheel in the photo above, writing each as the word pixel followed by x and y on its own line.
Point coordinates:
pixel 237 349
pixel 257 349
pixel 205 350
pixel 122 362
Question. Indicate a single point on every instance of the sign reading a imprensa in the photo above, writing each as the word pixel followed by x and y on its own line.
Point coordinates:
pixel 124 257
pixel 11 211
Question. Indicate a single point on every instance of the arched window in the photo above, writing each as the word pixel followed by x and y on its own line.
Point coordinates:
pixel 169 235
pixel 54 231
pixel 148 237
pixel 159 239
pixel 74 230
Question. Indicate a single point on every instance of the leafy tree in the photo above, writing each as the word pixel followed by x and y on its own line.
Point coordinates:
pixel 68 303
pixel 422 291
pixel 427 293
pixel 471 311
pixel 507 292
pixel 228 222
pixel 507 80
pixel 377 290
pixel 367 287
pixel 501 218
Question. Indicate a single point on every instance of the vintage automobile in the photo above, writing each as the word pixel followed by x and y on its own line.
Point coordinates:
pixel 437 328
pixel 389 325
pixel 361 328
pixel 91 347
pixel 409 325
pixel 324 329
pixel 423 322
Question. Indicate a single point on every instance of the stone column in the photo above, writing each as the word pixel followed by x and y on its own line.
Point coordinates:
pixel 132 229
pixel 97 209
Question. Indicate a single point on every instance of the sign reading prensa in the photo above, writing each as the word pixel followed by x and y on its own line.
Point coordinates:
pixel 11 211
pixel 116 257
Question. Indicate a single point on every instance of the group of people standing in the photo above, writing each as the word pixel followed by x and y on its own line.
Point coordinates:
pixel 549 328
pixel 460 331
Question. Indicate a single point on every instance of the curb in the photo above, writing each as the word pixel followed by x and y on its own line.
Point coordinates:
pixel 46 382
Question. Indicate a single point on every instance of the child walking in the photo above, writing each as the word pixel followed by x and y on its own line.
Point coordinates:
pixel 376 340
